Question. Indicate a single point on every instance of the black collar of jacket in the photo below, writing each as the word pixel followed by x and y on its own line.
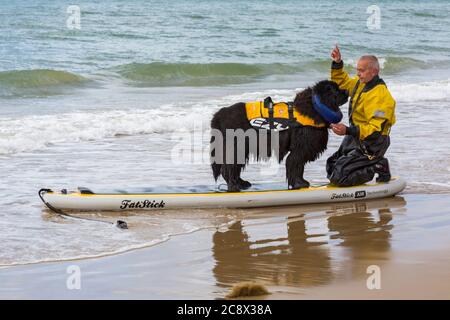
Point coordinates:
pixel 373 83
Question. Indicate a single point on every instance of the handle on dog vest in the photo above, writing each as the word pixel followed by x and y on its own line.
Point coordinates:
pixel 291 110
pixel 268 103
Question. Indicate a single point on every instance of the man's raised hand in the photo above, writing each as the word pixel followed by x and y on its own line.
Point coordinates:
pixel 336 54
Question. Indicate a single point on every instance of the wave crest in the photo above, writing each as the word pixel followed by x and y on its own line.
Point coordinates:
pixel 196 74
pixel 37 82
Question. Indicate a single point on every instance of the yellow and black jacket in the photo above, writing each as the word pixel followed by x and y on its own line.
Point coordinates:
pixel 371 108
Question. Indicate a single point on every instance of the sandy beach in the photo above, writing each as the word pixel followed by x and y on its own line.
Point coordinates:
pixel 300 252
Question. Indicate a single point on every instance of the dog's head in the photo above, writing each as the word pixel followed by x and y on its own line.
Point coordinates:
pixel 330 94
pixel 322 102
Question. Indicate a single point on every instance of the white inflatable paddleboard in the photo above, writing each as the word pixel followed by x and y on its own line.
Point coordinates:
pixel 259 195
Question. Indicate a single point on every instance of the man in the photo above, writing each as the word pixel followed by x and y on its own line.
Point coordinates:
pixel 371 116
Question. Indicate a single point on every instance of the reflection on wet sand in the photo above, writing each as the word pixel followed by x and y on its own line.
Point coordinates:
pixel 304 246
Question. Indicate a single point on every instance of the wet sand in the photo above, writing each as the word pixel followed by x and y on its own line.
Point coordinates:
pixel 299 252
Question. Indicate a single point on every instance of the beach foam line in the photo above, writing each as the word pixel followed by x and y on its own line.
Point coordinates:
pixel 124 249
pixel 423 91
pixel 32 133
pixel 37 132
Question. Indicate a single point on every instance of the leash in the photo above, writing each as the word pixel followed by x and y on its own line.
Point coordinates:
pixel 119 223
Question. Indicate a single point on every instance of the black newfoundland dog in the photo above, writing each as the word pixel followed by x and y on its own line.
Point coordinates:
pixel 304 141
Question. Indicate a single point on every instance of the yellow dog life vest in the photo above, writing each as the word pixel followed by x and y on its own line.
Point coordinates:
pixel 258 115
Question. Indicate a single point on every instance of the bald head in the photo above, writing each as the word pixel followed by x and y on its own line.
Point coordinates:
pixel 372 62
pixel 368 67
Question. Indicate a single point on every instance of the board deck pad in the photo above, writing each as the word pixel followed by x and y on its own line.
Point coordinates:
pixel 261 186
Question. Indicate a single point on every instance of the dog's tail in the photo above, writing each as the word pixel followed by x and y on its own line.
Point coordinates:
pixel 216 167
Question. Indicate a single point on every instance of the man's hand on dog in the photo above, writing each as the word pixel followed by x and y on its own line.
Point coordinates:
pixel 340 129
pixel 336 54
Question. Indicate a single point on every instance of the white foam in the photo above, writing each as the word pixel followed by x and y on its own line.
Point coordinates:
pixel 277 95
pixel 439 184
pixel 424 91
pixel 37 132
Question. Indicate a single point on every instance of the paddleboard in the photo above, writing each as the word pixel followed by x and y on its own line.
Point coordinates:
pixel 259 195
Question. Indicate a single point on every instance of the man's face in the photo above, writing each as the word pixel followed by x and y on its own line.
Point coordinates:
pixel 365 71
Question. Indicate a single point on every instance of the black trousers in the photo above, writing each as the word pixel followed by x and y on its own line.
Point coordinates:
pixel 350 165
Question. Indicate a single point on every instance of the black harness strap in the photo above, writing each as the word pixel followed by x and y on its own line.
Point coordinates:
pixel 268 103
pixel 291 122
pixel 291 110
pixel 350 105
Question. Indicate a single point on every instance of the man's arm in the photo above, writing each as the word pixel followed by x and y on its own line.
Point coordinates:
pixel 379 110
pixel 338 74
pixel 344 81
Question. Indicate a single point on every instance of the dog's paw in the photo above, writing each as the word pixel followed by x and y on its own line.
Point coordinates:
pixel 244 185
pixel 233 188
pixel 299 185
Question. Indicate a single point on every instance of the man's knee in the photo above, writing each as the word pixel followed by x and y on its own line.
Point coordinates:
pixel 347 178
pixel 336 177
pixel 340 181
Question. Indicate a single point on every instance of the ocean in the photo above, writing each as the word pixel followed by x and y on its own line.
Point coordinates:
pixel 122 94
